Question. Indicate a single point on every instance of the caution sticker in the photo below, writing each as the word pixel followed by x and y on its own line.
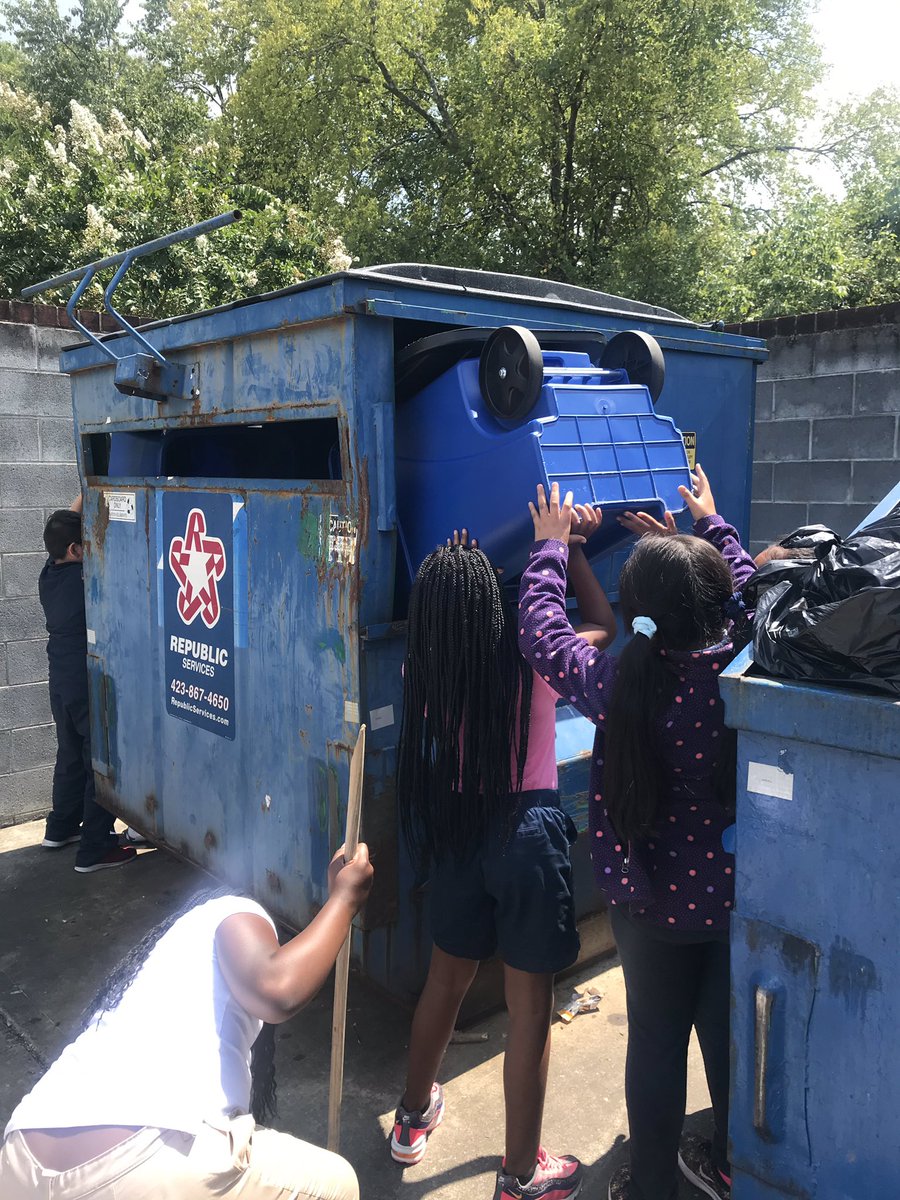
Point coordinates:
pixel 690 445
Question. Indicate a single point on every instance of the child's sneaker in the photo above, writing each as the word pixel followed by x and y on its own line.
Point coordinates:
pixel 409 1140
pixel 555 1178
pixel 696 1163
pixel 620 1183
pixel 58 843
pixel 117 857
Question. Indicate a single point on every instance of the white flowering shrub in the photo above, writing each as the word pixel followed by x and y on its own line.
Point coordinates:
pixel 71 195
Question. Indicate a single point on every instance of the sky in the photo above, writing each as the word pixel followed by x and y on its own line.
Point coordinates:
pixel 859 40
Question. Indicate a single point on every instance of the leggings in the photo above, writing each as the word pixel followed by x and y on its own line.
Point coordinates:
pixel 672 985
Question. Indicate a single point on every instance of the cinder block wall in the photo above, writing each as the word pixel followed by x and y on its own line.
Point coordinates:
pixel 827 415
pixel 37 475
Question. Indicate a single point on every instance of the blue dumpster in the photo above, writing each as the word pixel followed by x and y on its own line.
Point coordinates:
pixel 815 970
pixel 246 579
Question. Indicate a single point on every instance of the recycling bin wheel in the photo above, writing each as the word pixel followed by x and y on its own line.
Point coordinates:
pixel 640 355
pixel 511 372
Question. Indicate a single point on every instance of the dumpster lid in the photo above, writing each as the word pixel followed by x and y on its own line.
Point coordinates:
pixel 524 287
pixel 819 713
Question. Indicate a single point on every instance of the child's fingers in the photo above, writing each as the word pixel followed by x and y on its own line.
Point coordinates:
pixel 554 499
pixel 701 476
pixel 670 522
pixel 542 505
pixel 533 511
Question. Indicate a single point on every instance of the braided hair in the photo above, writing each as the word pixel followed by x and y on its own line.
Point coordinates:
pixel 466 706
pixel 262 1054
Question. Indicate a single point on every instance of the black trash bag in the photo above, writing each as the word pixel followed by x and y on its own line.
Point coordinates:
pixel 833 618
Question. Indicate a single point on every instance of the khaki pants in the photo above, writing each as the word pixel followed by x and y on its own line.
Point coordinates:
pixel 236 1160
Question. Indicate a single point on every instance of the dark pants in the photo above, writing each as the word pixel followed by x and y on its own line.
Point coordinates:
pixel 672 985
pixel 74 806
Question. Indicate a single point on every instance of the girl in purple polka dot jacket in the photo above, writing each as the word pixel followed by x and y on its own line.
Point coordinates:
pixel 662 787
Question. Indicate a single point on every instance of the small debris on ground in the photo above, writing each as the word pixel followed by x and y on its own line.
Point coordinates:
pixel 582 1000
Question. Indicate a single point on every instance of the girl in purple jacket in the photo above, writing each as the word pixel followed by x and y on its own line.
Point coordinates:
pixel 661 798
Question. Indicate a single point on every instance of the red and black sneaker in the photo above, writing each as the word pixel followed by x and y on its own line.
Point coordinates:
pixel 695 1159
pixel 116 857
pixel 409 1141
pixel 556 1177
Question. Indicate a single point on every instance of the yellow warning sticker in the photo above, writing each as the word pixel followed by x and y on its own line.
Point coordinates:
pixel 690 445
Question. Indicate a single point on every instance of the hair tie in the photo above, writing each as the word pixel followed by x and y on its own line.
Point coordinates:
pixel 734 608
pixel 644 625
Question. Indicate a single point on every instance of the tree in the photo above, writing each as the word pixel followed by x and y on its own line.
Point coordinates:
pixel 548 137
pixel 71 196
pixel 816 251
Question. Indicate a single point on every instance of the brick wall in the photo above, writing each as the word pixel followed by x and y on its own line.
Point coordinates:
pixel 37 475
pixel 827 416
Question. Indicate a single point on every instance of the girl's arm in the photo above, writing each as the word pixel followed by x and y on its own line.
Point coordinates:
pixel 707 524
pixel 597 624
pixel 574 668
pixel 273 982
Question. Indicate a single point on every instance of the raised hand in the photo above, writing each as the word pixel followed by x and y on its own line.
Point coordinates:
pixel 552 520
pixel 700 499
pixel 641 523
pixel 586 520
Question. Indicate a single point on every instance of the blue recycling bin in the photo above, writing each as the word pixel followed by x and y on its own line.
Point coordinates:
pixel 591 431
pixel 815 970
pixel 249 547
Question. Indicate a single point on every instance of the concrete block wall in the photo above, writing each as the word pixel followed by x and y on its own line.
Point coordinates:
pixel 37 475
pixel 827 444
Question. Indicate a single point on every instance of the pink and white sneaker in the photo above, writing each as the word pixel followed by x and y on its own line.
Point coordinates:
pixel 409 1141
pixel 555 1178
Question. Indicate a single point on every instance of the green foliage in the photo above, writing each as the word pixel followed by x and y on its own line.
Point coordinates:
pixel 69 196
pixel 641 146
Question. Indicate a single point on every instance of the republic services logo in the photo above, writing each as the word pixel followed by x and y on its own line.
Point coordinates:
pixel 197 562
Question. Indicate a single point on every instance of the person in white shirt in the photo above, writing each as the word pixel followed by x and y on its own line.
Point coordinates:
pixel 177 1120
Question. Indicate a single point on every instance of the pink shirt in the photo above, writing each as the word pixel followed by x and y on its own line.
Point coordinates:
pixel 540 762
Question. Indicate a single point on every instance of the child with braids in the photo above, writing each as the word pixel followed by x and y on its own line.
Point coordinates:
pixel 177 1120
pixel 478 796
pixel 661 798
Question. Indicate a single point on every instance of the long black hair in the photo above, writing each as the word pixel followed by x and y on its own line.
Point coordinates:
pixel 466 706
pixel 681 583
pixel 262 1054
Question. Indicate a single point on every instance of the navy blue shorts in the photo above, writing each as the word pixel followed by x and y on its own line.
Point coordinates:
pixel 513 897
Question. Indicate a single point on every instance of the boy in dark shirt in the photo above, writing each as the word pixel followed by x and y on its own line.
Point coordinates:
pixel 76 816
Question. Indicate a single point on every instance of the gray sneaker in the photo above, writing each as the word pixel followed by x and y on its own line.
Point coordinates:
pixel 696 1163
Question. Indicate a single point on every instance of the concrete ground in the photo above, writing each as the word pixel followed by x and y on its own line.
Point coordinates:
pixel 60 932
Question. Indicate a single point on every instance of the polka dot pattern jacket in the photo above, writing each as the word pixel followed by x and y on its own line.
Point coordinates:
pixel 681 878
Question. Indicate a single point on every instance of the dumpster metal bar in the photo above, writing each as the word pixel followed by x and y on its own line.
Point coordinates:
pixel 114 260
pixel 146 374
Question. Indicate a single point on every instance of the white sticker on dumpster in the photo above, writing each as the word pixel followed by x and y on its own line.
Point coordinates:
pixel 381 718
pixel 341 539
pixel 766 780
pixel 121 506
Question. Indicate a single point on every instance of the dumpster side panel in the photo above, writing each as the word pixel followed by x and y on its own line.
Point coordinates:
pixel 121 656
pixel 815 927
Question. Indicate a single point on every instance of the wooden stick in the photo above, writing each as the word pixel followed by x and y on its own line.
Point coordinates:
pixel 342 966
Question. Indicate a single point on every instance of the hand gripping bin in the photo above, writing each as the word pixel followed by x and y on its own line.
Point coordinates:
pixel 246 584
pixel 815 1109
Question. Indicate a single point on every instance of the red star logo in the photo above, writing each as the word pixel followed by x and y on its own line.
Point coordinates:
pixel 197 561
